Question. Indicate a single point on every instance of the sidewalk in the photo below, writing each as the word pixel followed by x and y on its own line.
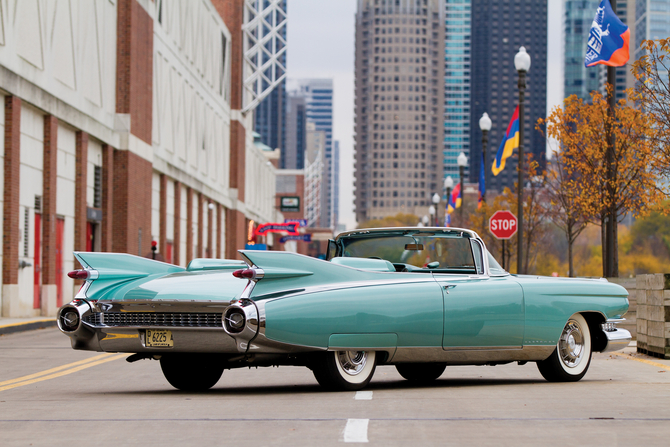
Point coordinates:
pixel 630 352
pixel 11 325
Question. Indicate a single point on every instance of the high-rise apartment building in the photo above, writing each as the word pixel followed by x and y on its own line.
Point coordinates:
pixel 293 154
pixel 457 59
pixel 399 106
pixel 506 25
pixel 652 22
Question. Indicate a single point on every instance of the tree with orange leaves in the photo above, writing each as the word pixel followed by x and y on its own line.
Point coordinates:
pixel 652 94
pixel 582 131
pixel 535 218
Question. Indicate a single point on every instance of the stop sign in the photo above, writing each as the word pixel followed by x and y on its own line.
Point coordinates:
pixel 503 224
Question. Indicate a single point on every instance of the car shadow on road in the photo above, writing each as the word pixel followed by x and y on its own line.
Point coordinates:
pixel 228 389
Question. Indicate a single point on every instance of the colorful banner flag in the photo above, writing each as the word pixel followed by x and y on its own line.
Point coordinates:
pixel 482 182
pixel 509 143
pixel 608 40
pixel 455 199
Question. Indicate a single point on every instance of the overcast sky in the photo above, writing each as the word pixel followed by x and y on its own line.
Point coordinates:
pixel 321 45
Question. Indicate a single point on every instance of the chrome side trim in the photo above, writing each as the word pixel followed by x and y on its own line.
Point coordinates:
pixel 617 340
pixel 478 356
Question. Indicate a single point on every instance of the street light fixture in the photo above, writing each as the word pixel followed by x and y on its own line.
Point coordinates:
pixel 522 65
pixel 424 220
pixel 485 126
pixel 436 200
pixel 462 162
pixel 431 211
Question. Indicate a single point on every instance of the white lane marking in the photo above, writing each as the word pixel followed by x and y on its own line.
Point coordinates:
pixel 356 430
pixel 363 395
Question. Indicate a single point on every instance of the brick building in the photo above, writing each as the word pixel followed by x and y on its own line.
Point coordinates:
pixel 124 122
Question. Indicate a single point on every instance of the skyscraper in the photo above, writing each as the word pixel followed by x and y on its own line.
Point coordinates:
pixel 270 118
pixel 318 94
pixel 457 84
pixel 399 106
pixel 293 154
pixel 507 25
pixel 652 22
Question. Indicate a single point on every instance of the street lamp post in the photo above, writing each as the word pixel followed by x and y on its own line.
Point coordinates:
pixel 431 211
pixel 522 64
pixel 436 201
pixel 485 126
pixel 462 162
pixel 424 220
pixel 448 184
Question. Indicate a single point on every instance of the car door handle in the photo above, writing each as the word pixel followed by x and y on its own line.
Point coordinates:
pixel 449 286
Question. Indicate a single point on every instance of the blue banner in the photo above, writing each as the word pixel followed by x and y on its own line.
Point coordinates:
pixel 301 237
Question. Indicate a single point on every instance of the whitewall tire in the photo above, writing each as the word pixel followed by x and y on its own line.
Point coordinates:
pixel 572 356
pixel 345 370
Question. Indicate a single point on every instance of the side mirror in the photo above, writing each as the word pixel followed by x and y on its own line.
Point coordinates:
pixel 331 252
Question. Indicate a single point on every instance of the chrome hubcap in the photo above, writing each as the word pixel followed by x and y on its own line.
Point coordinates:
pixel 571 344
pixel 352 362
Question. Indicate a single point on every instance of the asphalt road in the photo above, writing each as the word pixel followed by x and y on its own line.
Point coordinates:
pixel 51 396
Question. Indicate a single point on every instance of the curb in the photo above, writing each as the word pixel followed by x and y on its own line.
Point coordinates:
pixel 26 326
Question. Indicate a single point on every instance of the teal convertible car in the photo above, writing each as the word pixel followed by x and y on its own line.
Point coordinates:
pixel 421 299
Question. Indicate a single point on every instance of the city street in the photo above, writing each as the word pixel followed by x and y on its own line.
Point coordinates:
pixel 52 395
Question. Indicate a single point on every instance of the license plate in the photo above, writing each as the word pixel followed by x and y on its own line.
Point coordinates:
pixel 158 338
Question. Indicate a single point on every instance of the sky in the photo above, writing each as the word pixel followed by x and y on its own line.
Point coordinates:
pixel 321 35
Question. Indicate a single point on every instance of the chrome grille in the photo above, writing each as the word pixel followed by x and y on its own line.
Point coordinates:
pixel 158 319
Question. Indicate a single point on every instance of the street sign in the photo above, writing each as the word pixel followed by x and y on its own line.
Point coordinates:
pixel 302 222
pixel 290 228
pixel 503 224
pixel 301 237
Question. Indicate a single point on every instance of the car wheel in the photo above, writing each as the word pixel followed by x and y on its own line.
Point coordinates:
pixel 421 372
pixel 345 370
pixel 572 356
pixel 192 372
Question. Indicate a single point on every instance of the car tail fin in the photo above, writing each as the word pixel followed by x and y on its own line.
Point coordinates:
pixel 123 266
pixel 295 271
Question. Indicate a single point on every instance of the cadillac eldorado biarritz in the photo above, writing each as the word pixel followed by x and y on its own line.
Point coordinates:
pixel 420 299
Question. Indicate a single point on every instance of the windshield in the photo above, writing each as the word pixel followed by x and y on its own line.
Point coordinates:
pixel 494 267
pixel 415 251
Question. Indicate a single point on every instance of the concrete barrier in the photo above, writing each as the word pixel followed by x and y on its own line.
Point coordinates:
pixel 653 314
